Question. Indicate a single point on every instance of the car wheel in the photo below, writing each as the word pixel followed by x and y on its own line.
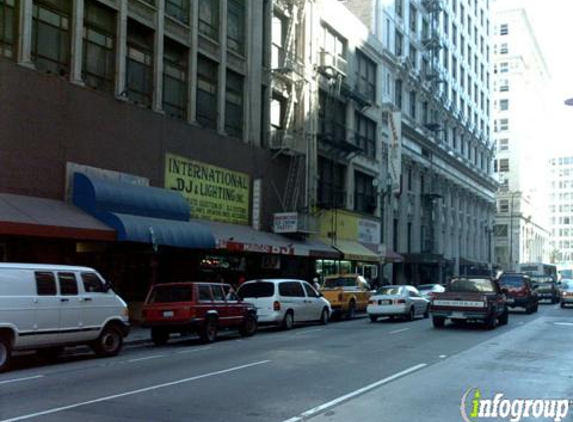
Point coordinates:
pixel 109 343
pixel 5 353
pixel 504 317
pixel 373 318
pixel 324 317
pixel 159 337
pixel 249 327
pixel 351 313
pixel 491 321
pixel 288 321
pixel 50 353
pixel 438 322
pixel 562 305
pixel 208 333
pixel 411 314
pixel 529 309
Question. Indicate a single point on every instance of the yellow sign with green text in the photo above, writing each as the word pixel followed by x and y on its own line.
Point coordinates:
pixel 214 193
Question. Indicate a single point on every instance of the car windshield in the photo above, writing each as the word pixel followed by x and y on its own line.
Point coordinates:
pixel 426 287
pixel 171 294
pixel 511 281
pixel 470 285
pixel 331 283
pixel 256 290
pixel 394 290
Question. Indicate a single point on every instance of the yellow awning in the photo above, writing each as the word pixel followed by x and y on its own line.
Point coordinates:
pixel 356 251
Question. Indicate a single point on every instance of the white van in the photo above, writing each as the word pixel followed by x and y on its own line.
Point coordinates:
pixel 48 307
pixel 285 302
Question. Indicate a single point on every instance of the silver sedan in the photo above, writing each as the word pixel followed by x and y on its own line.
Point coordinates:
pixel 397 301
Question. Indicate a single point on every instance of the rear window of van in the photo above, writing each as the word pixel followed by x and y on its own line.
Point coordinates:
pixel 256 290
pixel 171 294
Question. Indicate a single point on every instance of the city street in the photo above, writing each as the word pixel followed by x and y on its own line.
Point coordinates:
pixel 349 370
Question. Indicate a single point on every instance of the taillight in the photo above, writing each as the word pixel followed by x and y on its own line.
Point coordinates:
pixel 276 305
pixel 398 301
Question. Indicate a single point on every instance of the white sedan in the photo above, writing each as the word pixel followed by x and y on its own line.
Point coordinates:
pixel 397 301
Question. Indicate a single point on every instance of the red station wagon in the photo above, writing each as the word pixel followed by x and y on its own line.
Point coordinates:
pixel 196 307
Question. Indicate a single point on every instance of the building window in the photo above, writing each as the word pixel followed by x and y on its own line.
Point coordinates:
pixel 398 42
pixel 366 135
pixel 504 105
pixel 236 26
pixel 413 18
pixel 413 104
pixel 209 18
pixel 207 83
pixel 503 49
pixel 503 165
pixel 331 177
pixel 178 9
pixel 365 76
pixel 504 67
pixel 503 205
pixel 8 26
pixel 500 230
pixel 503 85
pixel 139 63
pixel 51 36
pixel 364 197
pixel 331 119
pixel 99 47
pixel 234 105
pixel 175 80
pixel 398 93
pixel 399 5
pixel 503 144
pixel 503 125
pixel 503 29
pixel 412 56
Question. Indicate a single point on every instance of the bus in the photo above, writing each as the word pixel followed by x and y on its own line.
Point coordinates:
pixel 538 269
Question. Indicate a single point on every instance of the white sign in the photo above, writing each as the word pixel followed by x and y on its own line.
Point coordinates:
pixel 285 222
pixel 257 204
pixel 368 231
pixel 395 150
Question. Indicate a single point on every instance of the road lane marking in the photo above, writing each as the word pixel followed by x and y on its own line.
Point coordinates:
pixel 193 350
pixel 398 331
pixel 145 358
pixel 352 394
pixel 443 356
pixel 22 379
pixel 134 392
pixel 567 324
pixel 309 331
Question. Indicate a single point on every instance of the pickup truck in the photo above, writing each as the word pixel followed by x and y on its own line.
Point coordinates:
pixel 347 294
pixel 470 299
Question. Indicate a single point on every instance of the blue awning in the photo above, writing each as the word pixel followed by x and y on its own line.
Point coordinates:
pixel 141 213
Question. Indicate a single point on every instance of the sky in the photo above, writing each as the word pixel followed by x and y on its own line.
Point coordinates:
pixel 551 21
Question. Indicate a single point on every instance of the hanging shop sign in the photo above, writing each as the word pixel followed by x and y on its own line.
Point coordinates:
pixel 233 246
pixel 285 222
pixel 214 193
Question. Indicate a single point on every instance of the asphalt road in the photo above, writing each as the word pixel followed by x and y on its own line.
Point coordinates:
pixel 311 371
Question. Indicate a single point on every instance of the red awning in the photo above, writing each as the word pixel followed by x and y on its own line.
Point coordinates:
pixel 42 217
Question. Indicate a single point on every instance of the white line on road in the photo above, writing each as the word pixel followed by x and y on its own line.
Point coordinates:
pixel 133 392
pixel 352 394
pixel 398 331
pixel 443 356
pixel 22 379
pixel 567 324
pixel 309 331
pixel 193 350
pixel 145 358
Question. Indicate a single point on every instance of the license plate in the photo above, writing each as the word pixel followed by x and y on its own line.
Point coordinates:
pixel 384 302
pixel 168 314
pixel 510 300
pixel 458 315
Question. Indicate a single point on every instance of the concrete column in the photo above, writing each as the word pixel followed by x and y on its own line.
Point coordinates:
pixel 25 33
pixel 121 52
pixel 222 65
pixel 77 43
pixel 192 63
pixel 158 56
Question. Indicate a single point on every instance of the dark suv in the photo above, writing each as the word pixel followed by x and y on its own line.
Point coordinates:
pixel 196 307
pixel 546 287
pixel 470 299
pixel 520 291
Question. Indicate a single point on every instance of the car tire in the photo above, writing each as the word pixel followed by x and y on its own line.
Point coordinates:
pixel 288 321
pixel 438 322
pixel 351 313
pixel 536 307
pixel 324 317
pixel 411 314
pixel 373 318
pixel 491 321
pixel 109 343
pixel 249 326
pixel 562 305
pixel 208 332
pixel 50 354
pixel 159 337
pixel 504 317
pixel 529 309
pixel 5 353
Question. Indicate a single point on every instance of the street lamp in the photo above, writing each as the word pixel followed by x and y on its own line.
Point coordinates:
pixel 511 229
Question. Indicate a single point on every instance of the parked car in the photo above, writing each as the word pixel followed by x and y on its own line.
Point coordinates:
pixel 546 287
pixel 285 302
pixel 520 291
pixel 470 299
pixel 429 290
pixel 397 301
pixel 347 294
pixel 566 293
pixel 48 307
pixel 196 307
